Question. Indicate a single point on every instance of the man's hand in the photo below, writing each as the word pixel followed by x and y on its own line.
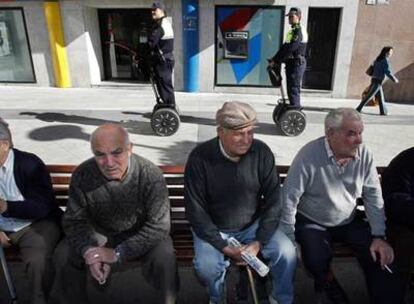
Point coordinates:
pixel 384 251
pixel 100 255
pixel 4 240
pixel 252 248
pixel 3 206
pixel 233 253
pixel 100 272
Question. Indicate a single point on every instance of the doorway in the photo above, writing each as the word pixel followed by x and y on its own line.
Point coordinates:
pixel 321 50
pixel 124 32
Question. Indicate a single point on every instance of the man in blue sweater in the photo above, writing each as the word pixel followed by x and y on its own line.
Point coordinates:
pixel 28 213
pixel 232 190
pixel 320 195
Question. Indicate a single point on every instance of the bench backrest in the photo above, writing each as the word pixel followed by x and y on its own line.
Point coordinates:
pixel 180 228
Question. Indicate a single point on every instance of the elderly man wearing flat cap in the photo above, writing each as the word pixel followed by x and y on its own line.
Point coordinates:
pixel 232 190
pixel 292 53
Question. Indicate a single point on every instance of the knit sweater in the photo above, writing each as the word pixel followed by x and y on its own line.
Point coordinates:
pixel 134 214
pixel 326 194
pixel 226 196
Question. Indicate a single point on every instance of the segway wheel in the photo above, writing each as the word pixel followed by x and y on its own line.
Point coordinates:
pixel 165 122
pixel 292 122
pixel 276 112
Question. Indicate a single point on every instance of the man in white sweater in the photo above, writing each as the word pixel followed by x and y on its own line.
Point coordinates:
pixel 320 194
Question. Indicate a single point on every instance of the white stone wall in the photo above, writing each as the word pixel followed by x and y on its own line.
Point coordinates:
pixel 82 37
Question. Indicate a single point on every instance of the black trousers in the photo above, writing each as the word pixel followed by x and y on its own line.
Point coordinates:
pixel 156 272
pixel 315 242
pixel 163 80
pixel 294 75
pixel 36 244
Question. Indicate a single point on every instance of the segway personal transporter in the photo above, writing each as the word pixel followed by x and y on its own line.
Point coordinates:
pixel 165 119
pixel 290 119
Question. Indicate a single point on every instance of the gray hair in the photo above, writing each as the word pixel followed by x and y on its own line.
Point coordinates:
pixel 5 133
pixel 335 118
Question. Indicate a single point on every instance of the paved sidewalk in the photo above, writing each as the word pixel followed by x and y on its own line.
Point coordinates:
pixel 56 123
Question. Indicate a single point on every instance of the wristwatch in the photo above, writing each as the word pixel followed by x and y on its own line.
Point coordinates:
pixel 382 237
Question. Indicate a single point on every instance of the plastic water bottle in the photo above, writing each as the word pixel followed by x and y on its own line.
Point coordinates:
pixel 253 261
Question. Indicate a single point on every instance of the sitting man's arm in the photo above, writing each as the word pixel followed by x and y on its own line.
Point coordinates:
pixel 292 190
pixel 374 208
pixel 76 219
pixel 34 183
pixel 156 226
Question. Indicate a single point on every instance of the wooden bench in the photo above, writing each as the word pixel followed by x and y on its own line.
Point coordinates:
pixel 180 229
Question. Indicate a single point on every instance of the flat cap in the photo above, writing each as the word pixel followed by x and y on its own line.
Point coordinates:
pixel 159 5
pixel 235 115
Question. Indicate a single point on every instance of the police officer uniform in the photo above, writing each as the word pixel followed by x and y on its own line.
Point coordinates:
pixel 292 53
pixel 161 43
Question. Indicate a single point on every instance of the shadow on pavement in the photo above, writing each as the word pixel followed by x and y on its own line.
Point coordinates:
pixel 58 132
pixel 133 127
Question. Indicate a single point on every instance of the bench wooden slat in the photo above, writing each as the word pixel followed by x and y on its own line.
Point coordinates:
pixel 60 180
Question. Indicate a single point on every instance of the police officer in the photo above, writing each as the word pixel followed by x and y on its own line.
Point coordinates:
pixel 161 43
pixel 292 53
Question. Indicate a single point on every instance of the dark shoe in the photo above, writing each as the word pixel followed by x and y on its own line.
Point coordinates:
pixel 331 293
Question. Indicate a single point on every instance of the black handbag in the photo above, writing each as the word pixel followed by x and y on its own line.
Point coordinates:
pixel 370 70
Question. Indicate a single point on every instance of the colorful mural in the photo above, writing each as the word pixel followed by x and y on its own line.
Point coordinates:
pixel 265 29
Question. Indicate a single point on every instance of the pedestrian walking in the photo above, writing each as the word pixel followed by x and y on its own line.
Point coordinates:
pixel 378 70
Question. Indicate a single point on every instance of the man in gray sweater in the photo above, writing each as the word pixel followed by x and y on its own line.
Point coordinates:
pixel 118 211
pixel 320 195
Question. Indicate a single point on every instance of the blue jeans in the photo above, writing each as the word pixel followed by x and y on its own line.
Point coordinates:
pixel 374 90
pixel 210 263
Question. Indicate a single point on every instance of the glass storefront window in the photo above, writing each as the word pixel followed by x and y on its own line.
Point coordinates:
pixel 246 37
pixel 15 59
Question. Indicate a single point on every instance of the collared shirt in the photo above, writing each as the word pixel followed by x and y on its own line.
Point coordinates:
pixel 10 192
pixel 233 159
pixel 331 156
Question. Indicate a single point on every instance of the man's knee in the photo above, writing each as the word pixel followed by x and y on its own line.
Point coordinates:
pixel 207 267
pixel 280 248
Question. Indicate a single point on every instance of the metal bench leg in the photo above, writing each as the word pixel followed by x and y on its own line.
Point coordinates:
pixel 252 285
pixel 7 276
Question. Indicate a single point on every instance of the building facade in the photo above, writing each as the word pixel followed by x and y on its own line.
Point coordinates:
pixel 234 39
